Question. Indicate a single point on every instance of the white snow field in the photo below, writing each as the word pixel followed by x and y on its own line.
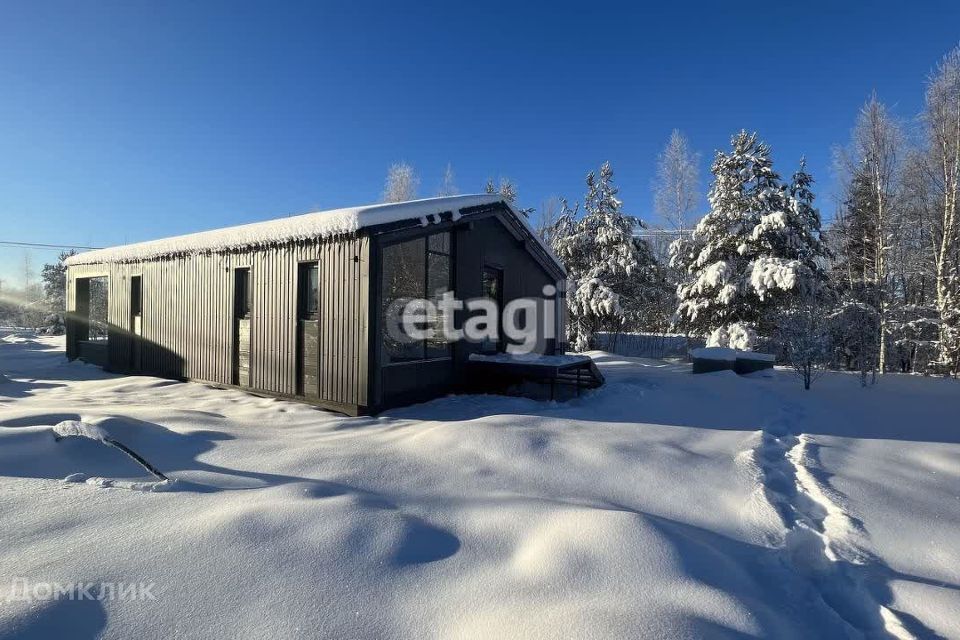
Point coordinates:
pixel 662 505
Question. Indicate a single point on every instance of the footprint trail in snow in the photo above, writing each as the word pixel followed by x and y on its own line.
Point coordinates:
pixel 821 541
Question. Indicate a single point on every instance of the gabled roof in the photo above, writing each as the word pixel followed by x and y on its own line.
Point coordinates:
pixel 309 226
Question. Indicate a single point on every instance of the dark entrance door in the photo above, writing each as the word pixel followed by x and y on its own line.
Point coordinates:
pixel 308 345
pixel 241 335
pixel 493 289
pixel 136 323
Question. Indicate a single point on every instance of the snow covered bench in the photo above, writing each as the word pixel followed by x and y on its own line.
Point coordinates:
pixel 710 359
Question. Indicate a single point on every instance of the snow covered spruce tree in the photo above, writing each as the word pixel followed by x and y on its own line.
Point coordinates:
pixel 564 228
pixel 605 268
pixel 54 278
pixel 508 191
pixel 754 252
pixel 567 244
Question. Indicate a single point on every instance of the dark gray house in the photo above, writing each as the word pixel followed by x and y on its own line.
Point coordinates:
pixel 296 307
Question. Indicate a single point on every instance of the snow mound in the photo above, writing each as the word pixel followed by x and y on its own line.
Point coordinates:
pixel 78 452
pixel 31 452
pixel 94 432
pixel 77 428
pixel 651 508
pixel 151 486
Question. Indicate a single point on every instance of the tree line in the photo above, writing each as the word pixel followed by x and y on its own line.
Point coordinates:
pixel 37 304
pixel 875 290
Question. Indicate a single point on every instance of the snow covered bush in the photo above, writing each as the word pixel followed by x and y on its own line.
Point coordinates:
pixel 803 333
pixel 853 328
pixel 914 332
pixel 53 325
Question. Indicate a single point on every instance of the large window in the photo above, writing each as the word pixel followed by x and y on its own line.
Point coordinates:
pixel 417 269
pixel 99 304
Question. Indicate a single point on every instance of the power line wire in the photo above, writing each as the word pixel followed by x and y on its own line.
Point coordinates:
pixel 38 245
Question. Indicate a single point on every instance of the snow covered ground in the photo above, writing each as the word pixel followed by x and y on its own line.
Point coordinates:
pixel 663 505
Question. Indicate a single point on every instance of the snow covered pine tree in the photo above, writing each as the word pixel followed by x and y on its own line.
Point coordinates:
pixel 601 258
pixel 757 248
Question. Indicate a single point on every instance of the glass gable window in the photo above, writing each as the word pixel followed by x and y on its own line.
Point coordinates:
pixel 492 286
pixel 414 270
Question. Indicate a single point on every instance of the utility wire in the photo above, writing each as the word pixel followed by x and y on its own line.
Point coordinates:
pixel 37 245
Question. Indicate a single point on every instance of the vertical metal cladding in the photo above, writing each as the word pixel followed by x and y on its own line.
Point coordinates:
pixel 188 316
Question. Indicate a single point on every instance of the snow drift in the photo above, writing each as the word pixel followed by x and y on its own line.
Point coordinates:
pixel 660 505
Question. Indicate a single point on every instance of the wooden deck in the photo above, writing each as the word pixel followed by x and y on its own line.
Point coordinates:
pixel 503 369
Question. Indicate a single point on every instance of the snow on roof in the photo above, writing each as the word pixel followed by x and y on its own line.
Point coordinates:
pixel 309 226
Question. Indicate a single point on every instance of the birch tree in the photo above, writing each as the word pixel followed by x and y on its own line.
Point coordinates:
pixel 448 184
pixel 546 222
pixel 677 186
pixel 914 325
pixel 874 159
pixel 942 119
pixel 401 184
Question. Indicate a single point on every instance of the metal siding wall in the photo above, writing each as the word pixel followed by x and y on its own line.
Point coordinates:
pixel 188 316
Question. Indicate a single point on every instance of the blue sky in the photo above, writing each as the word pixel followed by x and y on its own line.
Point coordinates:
pixel 126 121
